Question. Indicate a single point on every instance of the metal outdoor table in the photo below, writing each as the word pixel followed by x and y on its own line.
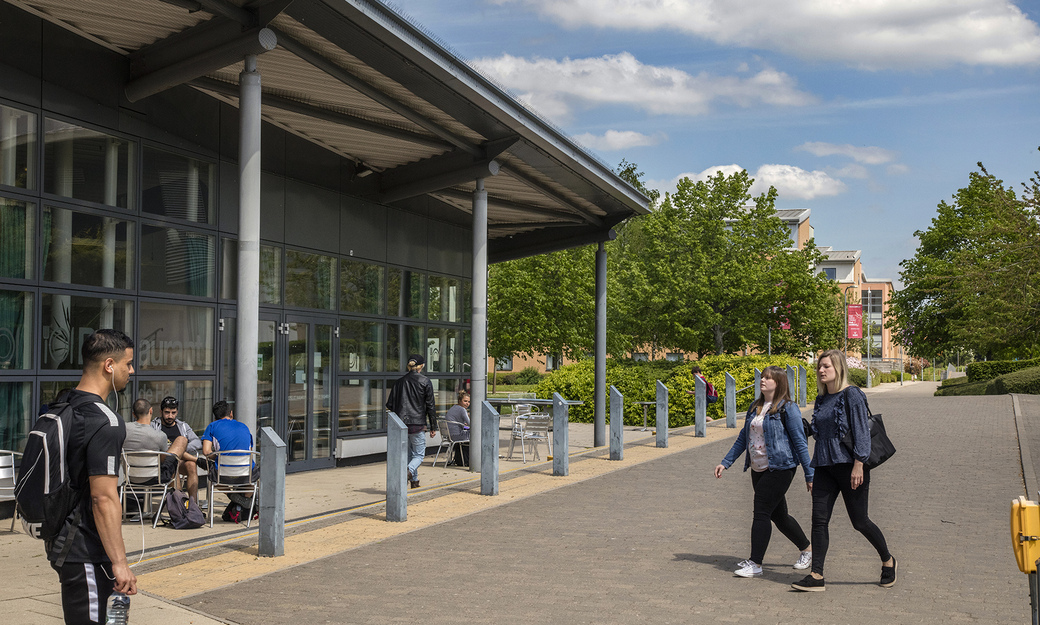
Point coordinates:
pixel 644 404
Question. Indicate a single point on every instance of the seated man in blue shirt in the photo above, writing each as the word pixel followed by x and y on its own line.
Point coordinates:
pixel 226 434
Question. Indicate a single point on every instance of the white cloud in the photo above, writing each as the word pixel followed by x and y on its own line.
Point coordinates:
pixel 556 87
pixel 897 169
pixel 852 170
pixel 872 34
pixel 791 182
pixel 871 155
pixel 619 140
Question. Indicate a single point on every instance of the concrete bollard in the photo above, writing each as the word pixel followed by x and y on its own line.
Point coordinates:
pixel 396 469
pixel 489 421
pixel 560 419
pixel 661 418
pixel 272 494
pixel 700 407
pixel 802 381
pixel 758 382
pixel 731 401
pixel 617 423
pixel 792 380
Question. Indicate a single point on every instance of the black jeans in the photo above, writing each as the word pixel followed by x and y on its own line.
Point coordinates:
pixel 827 483
pixel 771 507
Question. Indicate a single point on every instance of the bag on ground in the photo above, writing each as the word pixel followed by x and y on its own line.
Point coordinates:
pixel 184 511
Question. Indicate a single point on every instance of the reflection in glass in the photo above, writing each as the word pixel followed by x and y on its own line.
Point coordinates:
pixel 299 350
pixel 445 303
pixel 92 250
pixel 177 261
pixel 195 396
pixel 16 322
pixel 398 335
pixel 17 150
pixel 444 350
pixel 175 338
pixel 321 400
pixel 17 238
pixel 266 369
pixel 360 345
pixel 361 405
pixel 467 301
pixel 51 388
pixel 68 319
pixel 444 394
pixel 88 165
pixel 178 186
pixel 362 288
pixel 270 272
pixel 16 417
pixel 404 293
pixel 309 280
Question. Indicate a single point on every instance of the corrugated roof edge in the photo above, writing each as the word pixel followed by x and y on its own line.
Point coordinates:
pixel 394 20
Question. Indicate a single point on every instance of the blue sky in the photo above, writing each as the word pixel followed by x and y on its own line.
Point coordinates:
pixel 868 112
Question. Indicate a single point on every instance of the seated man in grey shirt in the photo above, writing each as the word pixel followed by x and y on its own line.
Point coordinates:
pixel 141 436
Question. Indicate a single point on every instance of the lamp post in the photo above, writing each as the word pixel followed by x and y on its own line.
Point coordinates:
pixel 845 299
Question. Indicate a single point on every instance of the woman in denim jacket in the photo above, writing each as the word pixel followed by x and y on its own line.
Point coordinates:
pixel 839 408
pixel 773 441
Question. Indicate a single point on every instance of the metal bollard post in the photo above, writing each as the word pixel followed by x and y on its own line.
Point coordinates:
pixel 272 494
pixel 489 421
pixel 617 422
pixel 758 382
pixel 396 469
pixel 731 401
pixel 560 418
pixel 802 381
pixel 700 407
pixel 662 415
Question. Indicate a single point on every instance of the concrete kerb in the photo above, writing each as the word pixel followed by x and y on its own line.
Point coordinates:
pixel 1028 472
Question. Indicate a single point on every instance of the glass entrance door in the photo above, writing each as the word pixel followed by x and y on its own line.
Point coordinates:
pixel 310 392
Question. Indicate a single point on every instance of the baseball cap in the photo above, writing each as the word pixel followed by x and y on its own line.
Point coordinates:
pixel 416 360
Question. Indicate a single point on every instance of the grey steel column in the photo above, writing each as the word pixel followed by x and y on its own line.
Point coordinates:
pixel 731 401
pixel 478 357
pixel 560 435
pixel 599 437
pixel 617 425
pixel 661 418
pixel 489 470
pixel 802 381
pixel 272 493
pixel 248 323
pixel 758 382
pixel 397 468
pixel 700 407
pixel 108 258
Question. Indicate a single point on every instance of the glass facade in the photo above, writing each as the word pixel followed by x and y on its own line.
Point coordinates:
pixel 16 321
pixel 178 187
pixel 87 249
pixel 179 262
pixel 84 164
pixel 17 149
pixel 310 280
pixel 17 238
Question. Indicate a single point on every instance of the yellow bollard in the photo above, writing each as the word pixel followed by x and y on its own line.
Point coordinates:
pixel 1025 533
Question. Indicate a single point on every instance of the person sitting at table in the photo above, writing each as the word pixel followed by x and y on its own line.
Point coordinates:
pixel 458 427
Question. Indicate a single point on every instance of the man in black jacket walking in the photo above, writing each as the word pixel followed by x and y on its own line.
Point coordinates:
pixel 411 398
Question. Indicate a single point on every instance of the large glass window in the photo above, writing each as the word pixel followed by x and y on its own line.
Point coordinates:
pixel 361 405
pixel 175 338
pixel 270 273
pixel 444 394
pixel 362 287
pixel 16 417
pixel 68 319
pixel 401 342
pixel 195 397
pixel 178 186
pixel 17 149
pixel 92 250
pixel 177 261
pixel 17 238
pixel 445 303
pixel 88 165
pixel 16 322
pixel 310 280
pixel 404 293
pixel 444 350
pixel 360 346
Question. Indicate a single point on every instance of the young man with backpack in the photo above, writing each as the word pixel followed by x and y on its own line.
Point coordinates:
pixel 88 553
pixel 710 394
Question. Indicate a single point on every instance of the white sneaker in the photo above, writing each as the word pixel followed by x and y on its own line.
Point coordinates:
pixel 804 561
pixel 743 563
pixel 748 570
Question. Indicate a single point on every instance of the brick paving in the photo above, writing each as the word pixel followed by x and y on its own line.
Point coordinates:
pixel 656 543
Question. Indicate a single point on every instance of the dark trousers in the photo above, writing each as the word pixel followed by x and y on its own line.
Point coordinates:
pixel 85 589
pixel 771 508
pixel 827 483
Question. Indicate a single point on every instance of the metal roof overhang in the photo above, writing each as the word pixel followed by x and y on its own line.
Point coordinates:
pixel 365 83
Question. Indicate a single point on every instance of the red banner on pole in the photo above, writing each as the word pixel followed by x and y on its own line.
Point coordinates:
pixel 855 321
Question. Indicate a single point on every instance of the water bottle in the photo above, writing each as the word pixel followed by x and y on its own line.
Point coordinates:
pixel 118 609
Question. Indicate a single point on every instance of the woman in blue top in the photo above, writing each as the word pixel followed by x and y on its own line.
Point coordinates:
pixel 774 444
pixel 838 408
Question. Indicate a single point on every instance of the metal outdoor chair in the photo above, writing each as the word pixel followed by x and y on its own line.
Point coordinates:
pixel 233 474
pixel 530 430
pixel 8 461
pixel 142 471
pixel 442 426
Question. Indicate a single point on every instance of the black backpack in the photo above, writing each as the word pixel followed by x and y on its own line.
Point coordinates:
pixel 184 512
pixel 44 495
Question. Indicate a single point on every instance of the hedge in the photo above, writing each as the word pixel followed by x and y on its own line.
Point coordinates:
pixel 637 382
pixel 981 371
pixel 1026 381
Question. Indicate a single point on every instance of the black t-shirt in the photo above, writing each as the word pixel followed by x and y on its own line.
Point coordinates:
pixel 95 446
pixel 171 432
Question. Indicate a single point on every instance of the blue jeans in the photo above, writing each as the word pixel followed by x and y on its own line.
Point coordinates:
pixel 416 453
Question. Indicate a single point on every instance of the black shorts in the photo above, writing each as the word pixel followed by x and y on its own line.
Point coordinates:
pixel 85 589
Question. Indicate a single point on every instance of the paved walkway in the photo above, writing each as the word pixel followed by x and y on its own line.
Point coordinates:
pixel 651 541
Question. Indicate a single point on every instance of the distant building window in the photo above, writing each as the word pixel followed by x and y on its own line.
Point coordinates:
pixel 640 356
pixel 504 364
pixel 553 361
pixel 672 357
pixel 831 273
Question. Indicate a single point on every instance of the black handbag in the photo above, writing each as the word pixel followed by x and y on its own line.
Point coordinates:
pixel 881 447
